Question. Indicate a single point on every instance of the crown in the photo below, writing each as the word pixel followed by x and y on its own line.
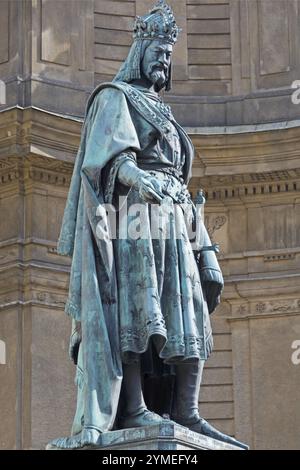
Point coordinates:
pixel 160 23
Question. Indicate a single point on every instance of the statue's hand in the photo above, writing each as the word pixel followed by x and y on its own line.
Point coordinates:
pixel 75 340
pixel 212 291
pixel 211 278
pixel 149 188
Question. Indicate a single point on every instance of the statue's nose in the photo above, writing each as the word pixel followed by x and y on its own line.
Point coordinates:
pixel 164 63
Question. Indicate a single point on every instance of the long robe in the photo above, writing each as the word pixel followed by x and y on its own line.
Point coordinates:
pixel 120 319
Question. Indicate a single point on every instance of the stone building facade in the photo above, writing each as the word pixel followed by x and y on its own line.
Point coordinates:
pixel 234 68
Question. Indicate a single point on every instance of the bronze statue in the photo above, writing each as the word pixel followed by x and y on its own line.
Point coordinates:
pixel 140 305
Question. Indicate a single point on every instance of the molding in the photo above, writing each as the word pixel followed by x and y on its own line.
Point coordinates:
pixel 17 303
pixel 269 255
pixel 70 117
pixel 279 257
pixel 59 83
pixel 35 168
pixel 45 170
pixel 228 167
pixel 46 266
pixel 245 290
pixel 242 186
pixel 262 276
pixel 254 95
pixel 247 153
pixel 214 224
pixel 250 178
pixel 28 241
pixel 246 318
pixel 244 129
pixel 192 131
pixel 30 130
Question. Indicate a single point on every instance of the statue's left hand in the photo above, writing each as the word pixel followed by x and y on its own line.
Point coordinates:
pixel 211 278
pixel 75 340
pixel 212 290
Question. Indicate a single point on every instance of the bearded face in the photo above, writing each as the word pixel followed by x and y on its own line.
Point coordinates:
pixel 156 63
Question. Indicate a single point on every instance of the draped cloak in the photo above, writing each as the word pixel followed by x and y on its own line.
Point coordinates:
pixel 108 131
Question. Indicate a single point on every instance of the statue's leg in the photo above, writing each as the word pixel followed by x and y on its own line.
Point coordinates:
pixel 186 412
pixel 132 388
pixel 135 413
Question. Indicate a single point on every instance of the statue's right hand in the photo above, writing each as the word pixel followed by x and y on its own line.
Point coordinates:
pixel 149 189
pixel 75 340
pixel 148 186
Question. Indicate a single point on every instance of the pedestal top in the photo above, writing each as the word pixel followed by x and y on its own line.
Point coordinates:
pixel 165 436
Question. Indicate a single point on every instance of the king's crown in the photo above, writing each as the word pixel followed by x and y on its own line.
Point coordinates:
pixel 160 23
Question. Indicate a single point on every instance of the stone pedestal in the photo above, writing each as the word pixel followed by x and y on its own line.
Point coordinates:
pixel 166 436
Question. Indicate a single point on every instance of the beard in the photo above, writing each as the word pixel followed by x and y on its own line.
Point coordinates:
pixel 158 76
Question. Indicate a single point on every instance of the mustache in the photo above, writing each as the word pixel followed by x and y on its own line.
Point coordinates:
pixel 159 67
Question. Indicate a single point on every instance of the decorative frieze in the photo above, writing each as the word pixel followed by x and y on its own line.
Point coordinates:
pixel 280 257
pixel 278 306
pixel 223 165
pixel 43 169
pixel 50 177
pixel 249 185
pixel 265 308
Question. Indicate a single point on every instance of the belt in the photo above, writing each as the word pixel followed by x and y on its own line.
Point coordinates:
pixel 173 172
pixel 173 186
pixel 166 170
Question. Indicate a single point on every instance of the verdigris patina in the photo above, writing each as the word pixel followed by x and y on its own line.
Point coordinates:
pixel 141 304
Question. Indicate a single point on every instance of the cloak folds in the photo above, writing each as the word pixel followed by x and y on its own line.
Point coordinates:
pixel 107 132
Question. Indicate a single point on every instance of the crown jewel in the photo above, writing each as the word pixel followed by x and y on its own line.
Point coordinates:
pixel 160 23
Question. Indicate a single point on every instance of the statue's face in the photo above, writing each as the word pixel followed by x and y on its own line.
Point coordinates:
pixel 156 63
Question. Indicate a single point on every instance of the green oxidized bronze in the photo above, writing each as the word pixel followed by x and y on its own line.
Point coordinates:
pixel 140 306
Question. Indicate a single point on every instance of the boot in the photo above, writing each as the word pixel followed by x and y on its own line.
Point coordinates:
pixel 135 413
pixel 186 412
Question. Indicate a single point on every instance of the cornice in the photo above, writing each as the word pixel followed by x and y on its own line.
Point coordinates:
pixel 252 185
pixel 227 166
pixel 50 171
pixel 241 153
pixel 33 131
pixel 35 168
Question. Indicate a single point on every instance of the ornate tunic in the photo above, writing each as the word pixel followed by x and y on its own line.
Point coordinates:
pixel 161 303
